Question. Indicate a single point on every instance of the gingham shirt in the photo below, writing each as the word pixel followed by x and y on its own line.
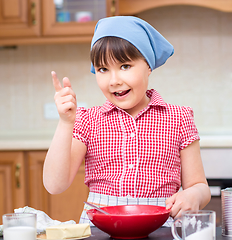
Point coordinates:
pixel 137 157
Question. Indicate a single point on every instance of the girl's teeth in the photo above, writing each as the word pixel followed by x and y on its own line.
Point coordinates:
pixel 121 93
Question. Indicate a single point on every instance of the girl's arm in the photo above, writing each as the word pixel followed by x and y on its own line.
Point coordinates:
pixel 196 193
pixel 65 154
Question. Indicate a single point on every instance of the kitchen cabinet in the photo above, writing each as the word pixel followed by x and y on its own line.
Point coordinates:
pixel 82 28
pixel 57 21
pixel 21 185
pixel 12 182
pixel 131 7
pixel 36 21
pixel 19 18
pixel 65 206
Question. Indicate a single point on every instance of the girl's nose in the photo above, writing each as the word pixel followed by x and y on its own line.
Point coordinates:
pixel 115 79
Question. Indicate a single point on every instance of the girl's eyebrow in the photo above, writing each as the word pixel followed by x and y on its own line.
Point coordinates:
pixel 102 66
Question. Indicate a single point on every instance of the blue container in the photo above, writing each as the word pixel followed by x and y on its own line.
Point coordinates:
pixel 63 17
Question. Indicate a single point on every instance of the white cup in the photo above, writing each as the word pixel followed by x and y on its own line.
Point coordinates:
pixel 83 16
pixel 196 225
pixel 20 226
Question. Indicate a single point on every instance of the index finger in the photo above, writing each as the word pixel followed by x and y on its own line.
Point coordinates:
pixel 56 82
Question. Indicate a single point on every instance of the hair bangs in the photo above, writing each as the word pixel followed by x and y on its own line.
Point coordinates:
pixel 113 49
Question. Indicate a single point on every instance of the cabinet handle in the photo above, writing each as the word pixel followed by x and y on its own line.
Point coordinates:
pixel 33 13
pixel 17 175
pixel 113 8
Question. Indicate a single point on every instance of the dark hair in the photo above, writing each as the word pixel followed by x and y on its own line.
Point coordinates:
pixel 115 49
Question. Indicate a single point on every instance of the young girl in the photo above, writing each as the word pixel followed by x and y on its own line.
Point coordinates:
pixel 137 148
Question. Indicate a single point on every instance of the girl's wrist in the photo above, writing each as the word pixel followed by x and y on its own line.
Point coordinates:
pixel 65 124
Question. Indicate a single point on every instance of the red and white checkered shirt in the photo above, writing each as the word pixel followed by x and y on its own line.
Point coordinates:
pixel 137 157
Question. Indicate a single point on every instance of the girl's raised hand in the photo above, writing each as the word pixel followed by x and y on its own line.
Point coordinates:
pixel 65 99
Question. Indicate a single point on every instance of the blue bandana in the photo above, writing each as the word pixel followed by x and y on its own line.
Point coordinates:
pixel 151 44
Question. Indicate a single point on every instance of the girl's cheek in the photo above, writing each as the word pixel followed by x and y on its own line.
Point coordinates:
pixel 98 80
pixel 101 85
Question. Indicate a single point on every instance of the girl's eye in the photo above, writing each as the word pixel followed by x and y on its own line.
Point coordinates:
pixel 102 70
pixel 125 67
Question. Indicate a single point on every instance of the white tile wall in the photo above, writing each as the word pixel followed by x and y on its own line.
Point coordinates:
pixel 199 74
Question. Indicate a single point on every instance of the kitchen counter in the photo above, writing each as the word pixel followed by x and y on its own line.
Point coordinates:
pixel 163 233
pixel 40 143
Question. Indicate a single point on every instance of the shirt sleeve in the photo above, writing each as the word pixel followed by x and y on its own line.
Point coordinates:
pixel 81 126
pixel 188 129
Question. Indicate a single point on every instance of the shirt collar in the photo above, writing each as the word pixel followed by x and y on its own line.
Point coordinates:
pixel 156 100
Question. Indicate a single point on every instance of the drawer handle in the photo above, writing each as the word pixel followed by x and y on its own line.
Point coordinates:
pixel 113 8
pixel 17 175
pixel 33 13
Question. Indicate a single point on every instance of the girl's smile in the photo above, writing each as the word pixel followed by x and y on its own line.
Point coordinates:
pixel 125 84
pixel 121 93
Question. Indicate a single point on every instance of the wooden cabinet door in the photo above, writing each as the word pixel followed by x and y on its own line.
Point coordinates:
pixel 82 30
pixel 12 182
pixel 63 207
pixel 19 18
pixel 131 7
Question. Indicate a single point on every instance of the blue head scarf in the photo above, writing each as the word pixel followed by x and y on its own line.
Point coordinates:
pixel 151 44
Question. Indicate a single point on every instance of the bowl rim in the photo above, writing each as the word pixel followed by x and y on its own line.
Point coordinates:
pixel 95 212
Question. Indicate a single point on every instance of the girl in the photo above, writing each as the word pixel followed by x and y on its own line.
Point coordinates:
pixel 137 148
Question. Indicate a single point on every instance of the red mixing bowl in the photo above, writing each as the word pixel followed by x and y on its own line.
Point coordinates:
pixel 129 221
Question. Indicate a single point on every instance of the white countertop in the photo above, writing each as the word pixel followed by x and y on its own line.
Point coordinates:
pixel 43 144
pixel 34 144
pixel 211 141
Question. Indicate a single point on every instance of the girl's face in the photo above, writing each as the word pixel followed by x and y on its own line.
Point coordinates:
pixel 125 84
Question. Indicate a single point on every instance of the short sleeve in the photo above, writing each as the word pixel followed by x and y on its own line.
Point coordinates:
pixel 188 129
pixel 81 126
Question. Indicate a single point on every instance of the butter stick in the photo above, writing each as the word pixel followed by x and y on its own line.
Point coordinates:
pixel 64 231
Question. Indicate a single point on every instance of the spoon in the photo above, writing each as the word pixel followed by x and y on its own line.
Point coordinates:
pixel 97 208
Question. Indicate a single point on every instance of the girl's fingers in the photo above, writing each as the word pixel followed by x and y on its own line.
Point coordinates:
pixel 65 94
pixel 169 206
pixel 170 201
pixel 66 99
pixel 66 82
pixel 175 210
pixel 67 107
pixel 56 82
pixel 67 85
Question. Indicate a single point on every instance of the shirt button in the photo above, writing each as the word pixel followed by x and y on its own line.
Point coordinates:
pixel 130 166
pixel 132 135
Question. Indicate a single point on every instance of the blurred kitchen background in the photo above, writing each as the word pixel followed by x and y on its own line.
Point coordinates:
pixel 199 74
